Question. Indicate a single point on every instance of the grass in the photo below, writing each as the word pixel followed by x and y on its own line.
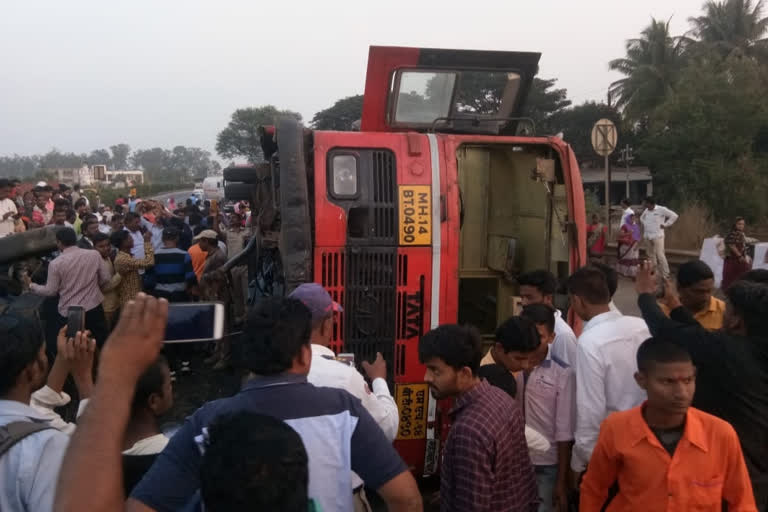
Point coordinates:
pixel 694 225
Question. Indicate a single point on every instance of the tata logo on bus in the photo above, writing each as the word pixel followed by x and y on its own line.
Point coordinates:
pixel 414 307
pixel 415 215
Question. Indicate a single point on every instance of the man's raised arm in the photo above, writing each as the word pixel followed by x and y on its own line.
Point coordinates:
pixel 96 446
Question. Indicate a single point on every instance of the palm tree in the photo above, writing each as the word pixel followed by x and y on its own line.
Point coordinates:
pixel 652 63
pixel 732 27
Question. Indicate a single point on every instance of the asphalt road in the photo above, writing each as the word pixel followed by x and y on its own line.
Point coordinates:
pixel 178 195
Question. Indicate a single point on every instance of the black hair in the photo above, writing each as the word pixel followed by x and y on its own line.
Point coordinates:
pixel 254 462
pixel 611 276
pixel 518 334
pixel 90 217
pixel 197 230
pixel 4 183
pixel 118 237
pixel 66 236
pixel 499 376
pixel 131 215
pixel 276 330
pixel 22 338
pixel 542 280
pixel 80 202
pixel 625 201
pixel 195 219
pixel 692 272
pixel 650 200
pixel 99 237
pixel 76 186
pixel 61 204
pixel 151 382
pixel 170 234
pixel 116 216
pixel 757 275
pixel 457 345
pixel 543 314
pixel 206 203
pixel 590 284
pixel 750 301
pixel 660 350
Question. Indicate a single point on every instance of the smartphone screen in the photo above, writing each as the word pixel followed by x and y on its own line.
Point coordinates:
pixel 75 320
pixel 194 321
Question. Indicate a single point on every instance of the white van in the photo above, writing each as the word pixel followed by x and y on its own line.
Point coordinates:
pixel 213 187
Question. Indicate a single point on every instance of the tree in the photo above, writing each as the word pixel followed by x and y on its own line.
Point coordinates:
pixel 181 165
pixel 651 66
pixel 153 163
pixel 55 159
pixel 120 154
pixel 700 142
pixel 99 157
pixel 341 115
pixel 19 166
pixel 544 103
pixel 241 139
pixel 732 27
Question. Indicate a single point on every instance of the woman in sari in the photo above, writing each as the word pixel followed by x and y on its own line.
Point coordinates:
pixel 737 263
pixel 628 250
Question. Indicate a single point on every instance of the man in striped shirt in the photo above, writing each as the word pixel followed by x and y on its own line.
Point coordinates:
pixel 76 277
pixel 173 270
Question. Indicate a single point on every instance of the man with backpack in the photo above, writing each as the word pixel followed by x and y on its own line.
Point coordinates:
pixel 31 449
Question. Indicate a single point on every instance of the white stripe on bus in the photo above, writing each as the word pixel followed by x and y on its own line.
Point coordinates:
pixel 436 233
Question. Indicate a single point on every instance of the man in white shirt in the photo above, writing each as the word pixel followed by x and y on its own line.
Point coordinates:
pixel 605 360
pixel 538 287
pixel 627 211
pixel 326 371
pixel 655 219
pixel 8 210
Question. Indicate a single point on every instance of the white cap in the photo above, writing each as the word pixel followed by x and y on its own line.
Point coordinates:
pixel 41 184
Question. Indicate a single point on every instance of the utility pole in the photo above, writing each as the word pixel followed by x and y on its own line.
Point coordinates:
pixel 626 156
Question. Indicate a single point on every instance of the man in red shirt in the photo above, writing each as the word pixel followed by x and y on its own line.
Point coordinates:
pixel 486 467
pixel 664 454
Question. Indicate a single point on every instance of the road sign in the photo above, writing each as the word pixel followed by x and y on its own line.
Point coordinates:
pixel 604 137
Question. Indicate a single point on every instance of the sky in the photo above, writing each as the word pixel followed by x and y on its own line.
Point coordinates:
pixel 85 74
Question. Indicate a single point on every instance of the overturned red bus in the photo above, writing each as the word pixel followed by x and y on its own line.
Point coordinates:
pixel 425 216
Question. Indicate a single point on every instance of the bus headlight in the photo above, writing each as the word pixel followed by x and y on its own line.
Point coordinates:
pixel 344 172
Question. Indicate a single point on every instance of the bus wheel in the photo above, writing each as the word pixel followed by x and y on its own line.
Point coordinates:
pixel 295 222
pixel 251 174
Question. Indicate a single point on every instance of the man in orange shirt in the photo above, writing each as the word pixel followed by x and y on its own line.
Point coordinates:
pixel 695 284
pixel 198 256
pixel 664 454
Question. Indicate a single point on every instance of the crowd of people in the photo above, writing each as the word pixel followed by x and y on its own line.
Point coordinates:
pixel 646 231
pixel 107 254
pixel 630 238
pixel 668 411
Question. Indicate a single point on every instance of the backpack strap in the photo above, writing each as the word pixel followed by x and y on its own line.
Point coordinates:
pixel 14 432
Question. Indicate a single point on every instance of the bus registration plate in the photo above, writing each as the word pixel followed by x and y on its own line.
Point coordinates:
pixel 415 215
pixel 412 403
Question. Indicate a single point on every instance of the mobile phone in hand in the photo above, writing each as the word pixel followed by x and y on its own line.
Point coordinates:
pixel 194 321
pixel 75 320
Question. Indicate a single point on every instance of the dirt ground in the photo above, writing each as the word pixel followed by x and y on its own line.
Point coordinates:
pixel 198 385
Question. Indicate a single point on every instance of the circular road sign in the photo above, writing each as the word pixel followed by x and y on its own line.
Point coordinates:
pixel 604 137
